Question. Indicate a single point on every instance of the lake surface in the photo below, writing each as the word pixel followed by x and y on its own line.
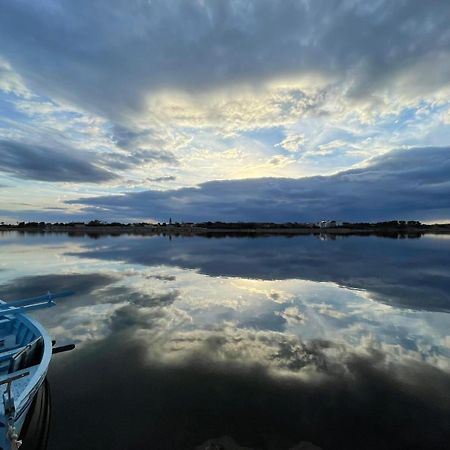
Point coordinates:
pixel 266 342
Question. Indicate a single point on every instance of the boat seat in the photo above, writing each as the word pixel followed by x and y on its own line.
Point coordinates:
pixel 27 356
pixel 10 352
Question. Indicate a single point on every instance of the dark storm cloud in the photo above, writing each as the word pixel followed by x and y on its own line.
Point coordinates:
pixel 407 184
pixel 361 401
pixel 48 164
pixel 105 55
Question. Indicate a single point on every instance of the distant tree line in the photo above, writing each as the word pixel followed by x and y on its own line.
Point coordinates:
pixel 387 224
pixel 252 225
pixel 219 225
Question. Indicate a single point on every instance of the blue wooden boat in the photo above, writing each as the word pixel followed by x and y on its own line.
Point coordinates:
pixel 25 353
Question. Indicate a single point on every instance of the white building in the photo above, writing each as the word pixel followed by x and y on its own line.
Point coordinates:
pixel 327 224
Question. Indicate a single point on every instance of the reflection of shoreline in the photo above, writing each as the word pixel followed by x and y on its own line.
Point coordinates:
pixel 407 232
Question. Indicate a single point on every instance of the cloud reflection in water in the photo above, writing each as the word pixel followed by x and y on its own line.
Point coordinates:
pixel 270 341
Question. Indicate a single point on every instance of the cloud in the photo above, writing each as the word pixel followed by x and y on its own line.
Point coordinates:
pixel 407 184
pixel 107 61
pixel 10 81
pixel 162 277
pixel 239 108
pixel 160 179
pixel 241 89
pixel 288 90
pixel 49 164
pixel 118 161
pixel 292 143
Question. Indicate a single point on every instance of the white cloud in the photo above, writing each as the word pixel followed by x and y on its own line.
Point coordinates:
pixel 10 81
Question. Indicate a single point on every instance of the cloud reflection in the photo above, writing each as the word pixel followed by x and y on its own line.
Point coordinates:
pixel 406 273
pixel 362 400
pixel 263 342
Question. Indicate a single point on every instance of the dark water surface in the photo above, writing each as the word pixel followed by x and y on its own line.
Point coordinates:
pixel 266 342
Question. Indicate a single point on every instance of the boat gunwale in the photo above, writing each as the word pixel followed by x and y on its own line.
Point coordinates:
pixel 38 376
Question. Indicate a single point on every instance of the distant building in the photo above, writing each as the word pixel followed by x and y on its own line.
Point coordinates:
pixel 327 224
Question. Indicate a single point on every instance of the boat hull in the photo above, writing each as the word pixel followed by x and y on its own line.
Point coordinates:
pixel 26 389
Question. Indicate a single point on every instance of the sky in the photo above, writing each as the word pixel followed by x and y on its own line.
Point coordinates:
pixel 224 110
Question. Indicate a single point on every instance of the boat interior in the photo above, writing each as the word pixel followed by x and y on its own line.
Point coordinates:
pixel 20 346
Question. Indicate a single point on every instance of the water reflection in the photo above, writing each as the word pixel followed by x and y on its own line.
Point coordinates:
pixel 268 342
pixel 410 273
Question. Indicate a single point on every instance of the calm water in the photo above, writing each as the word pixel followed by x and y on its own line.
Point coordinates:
pixel 270 342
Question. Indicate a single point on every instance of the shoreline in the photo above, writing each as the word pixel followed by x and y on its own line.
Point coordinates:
pixel 202 231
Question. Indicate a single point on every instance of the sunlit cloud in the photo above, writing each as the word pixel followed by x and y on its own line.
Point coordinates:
pixel 246 90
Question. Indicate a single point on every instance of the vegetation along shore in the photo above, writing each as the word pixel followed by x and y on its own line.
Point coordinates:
pixel 394 228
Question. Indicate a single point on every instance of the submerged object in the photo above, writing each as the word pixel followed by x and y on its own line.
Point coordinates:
pixel 25 354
